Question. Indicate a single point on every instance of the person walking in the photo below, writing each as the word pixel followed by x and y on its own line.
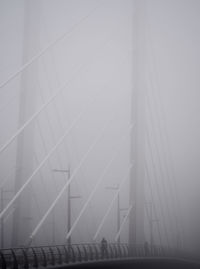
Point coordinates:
pixel 104 248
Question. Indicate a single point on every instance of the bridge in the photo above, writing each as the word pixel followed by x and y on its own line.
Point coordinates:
pixel 75 254
pixel 84 151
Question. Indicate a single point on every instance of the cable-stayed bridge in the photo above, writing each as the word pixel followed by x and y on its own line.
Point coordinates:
pixel 84 150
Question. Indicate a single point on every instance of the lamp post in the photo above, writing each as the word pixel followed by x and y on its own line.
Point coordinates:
pixel 69 197
pixel 118 209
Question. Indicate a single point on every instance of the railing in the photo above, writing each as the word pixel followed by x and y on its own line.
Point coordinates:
pixel 47 256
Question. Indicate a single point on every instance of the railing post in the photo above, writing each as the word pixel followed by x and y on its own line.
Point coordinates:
pixel 71 251
pixel 79 254
pixel 91 252
pixel 35 263
pixel 119 251
pixel 59 255
pixel 96 252
pixel 26 262
pixel 66 255
pixel 15 263
pixel 85 253
pixel 3 261
pixel 115 250
pixel 52 256
pixel 111 252
pixel 44 258
pixel 124 251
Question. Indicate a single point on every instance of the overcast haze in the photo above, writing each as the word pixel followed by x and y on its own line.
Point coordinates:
pixel 93 60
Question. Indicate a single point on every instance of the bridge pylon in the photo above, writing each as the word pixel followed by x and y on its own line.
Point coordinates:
pixel 137 154
pixel 25 143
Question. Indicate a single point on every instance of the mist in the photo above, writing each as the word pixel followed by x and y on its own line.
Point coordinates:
pixel 89 88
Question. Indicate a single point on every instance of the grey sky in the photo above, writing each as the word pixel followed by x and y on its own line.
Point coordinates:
pixel 102 43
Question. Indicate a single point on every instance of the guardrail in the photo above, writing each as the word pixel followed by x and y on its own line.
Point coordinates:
pixel 46 256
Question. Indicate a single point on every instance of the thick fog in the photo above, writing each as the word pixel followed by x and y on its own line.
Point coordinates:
pixel 70 75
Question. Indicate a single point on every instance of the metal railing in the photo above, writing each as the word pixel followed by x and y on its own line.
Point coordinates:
pixel 48 256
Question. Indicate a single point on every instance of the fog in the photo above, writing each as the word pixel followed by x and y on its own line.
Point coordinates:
pixel 70 74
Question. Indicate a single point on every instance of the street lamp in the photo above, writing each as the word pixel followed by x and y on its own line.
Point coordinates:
pixel 69 197
pixel 116 188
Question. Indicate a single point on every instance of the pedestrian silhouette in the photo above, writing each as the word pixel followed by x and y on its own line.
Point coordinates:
pixel 104 248
pixel 146 248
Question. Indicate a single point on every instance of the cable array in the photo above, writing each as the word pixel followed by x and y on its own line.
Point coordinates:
pixel 73 175
pixel 159 166
pixel 112 203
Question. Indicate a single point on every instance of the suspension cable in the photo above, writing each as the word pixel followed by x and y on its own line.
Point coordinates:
pixel 48 102
pixel 100 179
pixel 153 201
pixel 9 215
pixel 52 44
pixel 53 149
pixel 156 180
pixel 171 177
pixel 73 124
pixel 58 115
pixel 112 203
pixel 123 222
pixel 45 147
pixel 159 163
pixel 72 176
pixel 166 153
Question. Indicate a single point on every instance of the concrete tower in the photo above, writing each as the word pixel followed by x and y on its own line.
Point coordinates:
pixel 136 223
pixel 24 157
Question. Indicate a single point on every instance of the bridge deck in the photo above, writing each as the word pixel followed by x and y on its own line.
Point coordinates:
pixel 138 263
pixel 88 255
